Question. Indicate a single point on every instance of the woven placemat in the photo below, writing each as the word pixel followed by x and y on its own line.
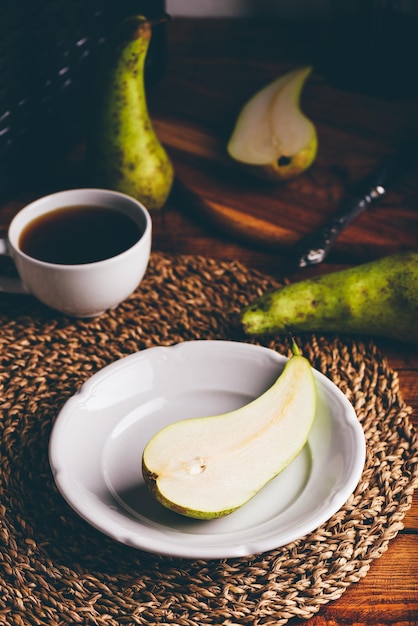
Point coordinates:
pixel 56 569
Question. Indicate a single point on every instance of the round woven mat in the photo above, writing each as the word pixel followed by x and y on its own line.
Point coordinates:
pixel 56 569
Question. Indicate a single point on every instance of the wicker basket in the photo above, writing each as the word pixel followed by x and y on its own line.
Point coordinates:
pixel 49 51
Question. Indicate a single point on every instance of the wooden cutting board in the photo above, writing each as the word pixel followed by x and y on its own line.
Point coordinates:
pixel 356 133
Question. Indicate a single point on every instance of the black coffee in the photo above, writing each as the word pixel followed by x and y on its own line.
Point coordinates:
pixel 79 234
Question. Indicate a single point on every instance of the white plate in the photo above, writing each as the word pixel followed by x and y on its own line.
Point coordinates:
pixel 97 443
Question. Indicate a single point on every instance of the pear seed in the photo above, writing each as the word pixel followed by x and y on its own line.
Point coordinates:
pixel 196 466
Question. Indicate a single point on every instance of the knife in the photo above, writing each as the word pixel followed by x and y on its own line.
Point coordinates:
pixel 315 247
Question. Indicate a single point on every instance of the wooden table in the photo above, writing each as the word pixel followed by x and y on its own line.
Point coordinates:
pixel 213 67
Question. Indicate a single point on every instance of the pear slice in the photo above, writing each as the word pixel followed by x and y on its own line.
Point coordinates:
pixel 272 137
pixel 210 466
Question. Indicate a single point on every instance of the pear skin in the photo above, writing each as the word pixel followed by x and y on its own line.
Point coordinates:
pixel 124 152
pixel 272 138
pixel 208 467
pixel 376 298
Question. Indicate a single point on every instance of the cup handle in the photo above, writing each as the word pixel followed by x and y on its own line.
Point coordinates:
pixel 10 284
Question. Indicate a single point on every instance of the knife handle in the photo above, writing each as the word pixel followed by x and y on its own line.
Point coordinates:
pixel 315 247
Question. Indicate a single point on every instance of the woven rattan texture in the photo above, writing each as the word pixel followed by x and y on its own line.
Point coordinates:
pixel 55 569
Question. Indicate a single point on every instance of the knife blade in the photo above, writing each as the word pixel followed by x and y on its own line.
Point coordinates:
pixel 315 247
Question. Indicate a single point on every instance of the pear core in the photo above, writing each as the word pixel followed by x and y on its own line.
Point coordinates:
pixel 210 466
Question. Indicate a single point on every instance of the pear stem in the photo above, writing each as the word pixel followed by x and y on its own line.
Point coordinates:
pixel 160 20
pixel 294 345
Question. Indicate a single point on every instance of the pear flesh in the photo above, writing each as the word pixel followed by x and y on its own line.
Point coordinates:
pixel 208 467
pixel 272 137
pixel 124 152
pixel 377 298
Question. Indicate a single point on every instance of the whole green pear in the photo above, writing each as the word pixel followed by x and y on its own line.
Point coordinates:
pixel 376 298
pixel 124 152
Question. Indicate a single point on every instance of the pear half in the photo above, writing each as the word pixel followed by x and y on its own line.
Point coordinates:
pixel 210 466
pixel 272 137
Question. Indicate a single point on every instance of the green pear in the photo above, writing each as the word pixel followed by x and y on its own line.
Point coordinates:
pixel 376 298
pixel 210 466
pixel 124 152
pixel 272 138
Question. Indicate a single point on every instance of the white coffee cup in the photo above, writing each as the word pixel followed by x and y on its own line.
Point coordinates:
pixel 82 289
